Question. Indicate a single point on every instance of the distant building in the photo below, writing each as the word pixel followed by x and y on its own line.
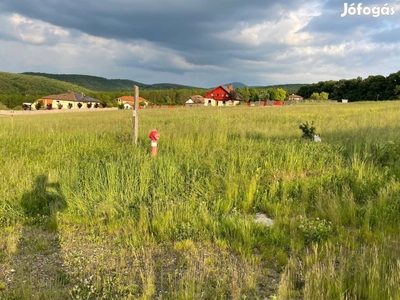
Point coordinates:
pixel 195 100
pixel 222 96
pixel 129 101
pixel 295 97
pixel 69 100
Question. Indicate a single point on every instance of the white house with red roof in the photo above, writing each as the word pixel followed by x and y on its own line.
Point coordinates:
pixel 222 96
pixel 129 101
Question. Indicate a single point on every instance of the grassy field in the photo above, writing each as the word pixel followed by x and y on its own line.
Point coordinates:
pixel 85 214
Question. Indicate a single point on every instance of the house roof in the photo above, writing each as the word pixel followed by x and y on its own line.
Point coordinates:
pixel 228 90
pixel 197 98
pixel 71 96
pixel 295 96
pixel 131 99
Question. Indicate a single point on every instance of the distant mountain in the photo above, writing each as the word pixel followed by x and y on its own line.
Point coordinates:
pixel 170 86
pixel 98 84
pixel 22 84
pixel 236 84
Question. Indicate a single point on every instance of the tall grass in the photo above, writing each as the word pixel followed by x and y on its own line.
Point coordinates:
pixel 181 225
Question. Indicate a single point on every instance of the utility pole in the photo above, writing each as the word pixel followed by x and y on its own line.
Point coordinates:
pixel 136 115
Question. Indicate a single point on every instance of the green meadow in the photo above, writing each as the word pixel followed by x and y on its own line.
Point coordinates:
pixel 86 214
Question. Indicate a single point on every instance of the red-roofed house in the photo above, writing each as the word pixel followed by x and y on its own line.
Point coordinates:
pixel 129 101
pixel 68 100
pixel 222 96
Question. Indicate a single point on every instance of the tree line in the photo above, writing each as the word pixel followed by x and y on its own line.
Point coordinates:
pixel 376 87
pixel 253 94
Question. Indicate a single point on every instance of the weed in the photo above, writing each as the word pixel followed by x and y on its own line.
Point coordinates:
pixel 315 230
pixel 308 130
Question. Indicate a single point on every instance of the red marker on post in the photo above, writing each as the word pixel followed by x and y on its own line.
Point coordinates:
pixel 154 137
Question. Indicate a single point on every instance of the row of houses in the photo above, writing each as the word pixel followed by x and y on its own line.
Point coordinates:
pixel 219 96
pixel 73 100
pixel 227 96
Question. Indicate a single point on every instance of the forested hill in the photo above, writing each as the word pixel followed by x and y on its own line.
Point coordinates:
pixel 21 84
pixel 95 83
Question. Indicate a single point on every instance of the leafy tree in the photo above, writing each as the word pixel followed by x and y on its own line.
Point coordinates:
pixel 254 94
pixel 272 93
pixel 314 96
pixel 264 95
pixel 323 96
pixel 280 94
pixel 397 92
pixel 245 93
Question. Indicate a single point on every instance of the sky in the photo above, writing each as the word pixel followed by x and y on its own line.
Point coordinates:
pixel 202 43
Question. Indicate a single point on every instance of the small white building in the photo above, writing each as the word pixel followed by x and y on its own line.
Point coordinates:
pixel 128 106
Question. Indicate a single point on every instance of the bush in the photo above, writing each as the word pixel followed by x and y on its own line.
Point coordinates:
pixel 308 130
pixel 39 105
pixel 26 107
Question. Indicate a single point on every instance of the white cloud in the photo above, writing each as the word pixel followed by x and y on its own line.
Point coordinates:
pixel 32 31
pixel 285 30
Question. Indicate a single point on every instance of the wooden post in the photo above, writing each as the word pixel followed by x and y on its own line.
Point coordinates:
pixel 136 115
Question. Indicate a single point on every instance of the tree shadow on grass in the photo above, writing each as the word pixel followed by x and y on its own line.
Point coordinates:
pixel 37 262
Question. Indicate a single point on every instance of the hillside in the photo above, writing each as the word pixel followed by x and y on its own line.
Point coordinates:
pixel 11 83
pixel 96 83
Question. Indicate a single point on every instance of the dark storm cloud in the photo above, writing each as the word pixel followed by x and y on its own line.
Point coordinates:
pixel 176 24
pixel 254 41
